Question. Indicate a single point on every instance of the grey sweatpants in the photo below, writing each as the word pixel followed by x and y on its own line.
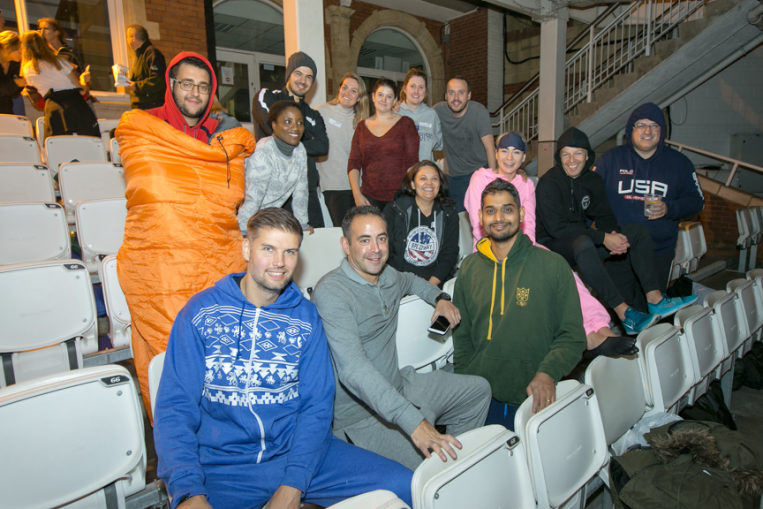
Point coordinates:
pixel 459 402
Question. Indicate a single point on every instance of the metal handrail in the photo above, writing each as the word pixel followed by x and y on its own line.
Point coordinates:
pixel 735 163
pixel 582 35
pixel 607 52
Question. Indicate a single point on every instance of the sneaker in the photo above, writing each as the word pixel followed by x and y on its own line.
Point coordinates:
pixel 636 321
pixel 669 305
pixel 613 346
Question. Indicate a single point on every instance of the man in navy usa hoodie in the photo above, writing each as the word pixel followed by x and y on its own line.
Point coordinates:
pixel 244 408
pixel 646 166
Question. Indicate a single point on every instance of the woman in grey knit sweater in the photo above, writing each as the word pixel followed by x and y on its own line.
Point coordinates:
pixel 277 169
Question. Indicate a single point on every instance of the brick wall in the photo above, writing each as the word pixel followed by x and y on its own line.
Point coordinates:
pixel 466 52
pixel 719 222
pixel 181 26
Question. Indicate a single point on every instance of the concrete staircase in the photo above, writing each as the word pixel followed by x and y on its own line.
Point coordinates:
pixel 676 66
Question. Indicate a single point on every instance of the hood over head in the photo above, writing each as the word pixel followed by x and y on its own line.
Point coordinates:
pixel 170 113
pixel 574 137
pixel 650 111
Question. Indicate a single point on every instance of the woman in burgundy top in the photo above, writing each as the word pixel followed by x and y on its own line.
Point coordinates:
pixel 384 146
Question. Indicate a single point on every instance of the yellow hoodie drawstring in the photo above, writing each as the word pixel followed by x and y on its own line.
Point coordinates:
pixel 503 282
pixel 492 304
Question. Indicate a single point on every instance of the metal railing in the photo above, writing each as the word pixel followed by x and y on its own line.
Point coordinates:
pixel 734 163
pixel 631 33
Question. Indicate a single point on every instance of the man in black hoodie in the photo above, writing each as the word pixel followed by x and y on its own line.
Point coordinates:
pixel 574 219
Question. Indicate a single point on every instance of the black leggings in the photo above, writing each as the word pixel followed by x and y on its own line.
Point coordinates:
pixel 580 251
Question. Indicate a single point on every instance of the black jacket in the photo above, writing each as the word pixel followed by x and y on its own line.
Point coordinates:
pixel 566 207
pixel 402 216
pixel 147 72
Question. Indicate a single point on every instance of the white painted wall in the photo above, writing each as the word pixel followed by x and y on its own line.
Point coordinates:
pixel 729 104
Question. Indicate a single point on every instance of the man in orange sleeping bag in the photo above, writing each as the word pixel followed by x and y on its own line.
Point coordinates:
pixel 184 172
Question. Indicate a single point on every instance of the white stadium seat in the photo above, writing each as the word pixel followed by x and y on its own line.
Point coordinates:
pixel 33 232
pixel 74 437
pixel 100 228
pixel 15 125
pixel 89 181
pixel 70 147
pixel 19 149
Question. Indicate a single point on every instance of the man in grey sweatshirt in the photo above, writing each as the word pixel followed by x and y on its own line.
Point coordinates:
pixel 378 406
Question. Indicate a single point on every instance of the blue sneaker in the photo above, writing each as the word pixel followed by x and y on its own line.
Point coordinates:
pixel 669 305
pixel 635 321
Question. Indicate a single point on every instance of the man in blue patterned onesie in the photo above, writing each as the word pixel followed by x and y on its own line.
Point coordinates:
pixel 244 408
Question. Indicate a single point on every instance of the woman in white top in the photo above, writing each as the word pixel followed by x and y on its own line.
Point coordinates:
pixel 412 96
pixel 66 112
pixel 341 114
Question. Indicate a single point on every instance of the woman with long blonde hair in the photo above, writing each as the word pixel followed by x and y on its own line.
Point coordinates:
pixel 341 115
pixel 11 83
pixel 66 112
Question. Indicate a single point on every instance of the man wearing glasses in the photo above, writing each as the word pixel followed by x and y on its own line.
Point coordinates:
pixel 184 177
pixel 650 183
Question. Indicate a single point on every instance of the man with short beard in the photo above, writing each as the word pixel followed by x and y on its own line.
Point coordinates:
pixel 526 332
pixel 243 411
pixel 467 137
pixel 300 75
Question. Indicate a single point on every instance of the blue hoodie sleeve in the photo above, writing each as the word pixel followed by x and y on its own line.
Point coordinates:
pixel 312 432
pixel 178 414
pixel 689 200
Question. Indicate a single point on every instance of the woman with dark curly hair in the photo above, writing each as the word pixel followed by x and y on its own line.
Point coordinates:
pixel 422 223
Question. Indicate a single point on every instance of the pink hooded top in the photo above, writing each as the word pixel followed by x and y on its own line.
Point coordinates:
pixel 595 316
pixel 480 179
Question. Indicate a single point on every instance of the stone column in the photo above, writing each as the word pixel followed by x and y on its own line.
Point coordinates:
pixel 338 20
pixel 303 31
pixel 553 43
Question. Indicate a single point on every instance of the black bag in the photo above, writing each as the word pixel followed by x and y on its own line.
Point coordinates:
pixel 710 407
pixel 752 364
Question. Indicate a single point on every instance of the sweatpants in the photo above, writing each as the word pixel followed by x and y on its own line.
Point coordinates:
pixel 580 251
pixel 346 471
pixel 459 402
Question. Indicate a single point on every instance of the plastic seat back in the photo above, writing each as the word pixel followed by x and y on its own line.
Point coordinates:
pixel 683 254
pixel 155 368
pixel 698 244
pixel 19 149
pixel 115 157
pixel 15 125
pixel 71 147
pixel 665 366
pixel 565 443
pixel 705 347
pixel 416 346
pixel 49 320
pixel 116 304
pixel 377 499
pixel 33 232
pixel 465 239
pixel 26 183
pixel 100 228
pixel 72 435
pixel 491 471
pixel 746 292
pixel 89 181
pixel 319 254
pixel 619 390
pixel 756 276
pixel 729 321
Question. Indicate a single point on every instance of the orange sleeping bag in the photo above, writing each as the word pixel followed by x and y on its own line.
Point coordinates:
pixel 181 233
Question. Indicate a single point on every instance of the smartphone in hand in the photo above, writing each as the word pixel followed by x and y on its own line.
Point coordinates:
pixel 440 326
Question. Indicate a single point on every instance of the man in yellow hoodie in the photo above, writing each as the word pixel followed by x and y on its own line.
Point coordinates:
pixel 526 333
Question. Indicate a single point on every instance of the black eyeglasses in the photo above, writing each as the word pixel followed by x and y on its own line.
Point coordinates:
pixel 189 85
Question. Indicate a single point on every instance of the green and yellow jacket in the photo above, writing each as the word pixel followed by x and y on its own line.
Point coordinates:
pixel 519 316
